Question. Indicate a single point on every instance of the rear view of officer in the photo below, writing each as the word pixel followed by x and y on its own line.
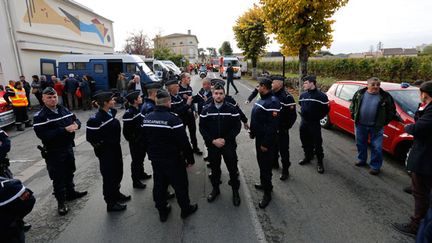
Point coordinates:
pixel 132 120
pixel 168 149
pixel 264 126
pixel 56 126
pixel 287 117
pixel 314 107
pixel 219 126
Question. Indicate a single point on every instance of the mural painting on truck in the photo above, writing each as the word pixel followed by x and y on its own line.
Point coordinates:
pixel 104 69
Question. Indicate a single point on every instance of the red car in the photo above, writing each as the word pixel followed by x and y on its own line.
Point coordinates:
pixel 396 141
pixel 7 116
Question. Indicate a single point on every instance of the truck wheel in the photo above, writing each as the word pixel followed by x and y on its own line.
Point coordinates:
pixel 325 122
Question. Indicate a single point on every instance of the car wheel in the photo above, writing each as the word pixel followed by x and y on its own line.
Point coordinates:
pixel 325 122
pixel 401 151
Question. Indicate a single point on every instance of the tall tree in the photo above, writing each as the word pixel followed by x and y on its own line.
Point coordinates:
pixel 250 35
pixel 301 26
pixel 138 43
pixel 225 49
pixel 164 53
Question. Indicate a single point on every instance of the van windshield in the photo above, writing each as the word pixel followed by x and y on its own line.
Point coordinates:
pixel 147 71
pixel 234 63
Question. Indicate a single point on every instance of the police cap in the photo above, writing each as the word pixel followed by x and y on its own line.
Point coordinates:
pixel 426 87
pixel 310 78
pixel 277 77
pixel 161 94
pixel 102 96
pixel 265 82
pixel 132 95
pixel 171 82
pixel 153 85
pixel 215 81
pixel 49 91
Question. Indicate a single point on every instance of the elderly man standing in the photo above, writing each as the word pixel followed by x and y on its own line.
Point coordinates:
pixel 419 161
pixel 372 108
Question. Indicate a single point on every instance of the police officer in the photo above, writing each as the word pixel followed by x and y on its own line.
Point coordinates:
pixel 55 126
pixel 219 126
pixel 5 146
pixel 132 120
pixel 287 118
pixel 103 133
pixel 203 95
pixel 188 117
pixel 168 149
pixel 264 126
pixel 314 107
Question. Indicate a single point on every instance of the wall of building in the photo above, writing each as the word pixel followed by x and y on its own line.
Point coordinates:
pixel 184 45
pixel 49 29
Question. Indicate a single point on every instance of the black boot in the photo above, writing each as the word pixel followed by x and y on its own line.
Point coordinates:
pixel 320 167
pixel 265 200
pixel 259 187
pixel 190 210
pixel 62 208
pixel 139 185
pixel 236 198
pixel 20 127
pixel 213 195
pixel 75 195
pixel 145 176
pixel 170 195
pixel 116 207
pixel 163 213
pixel 123 198
pixel 284 175
pixel 197 151
pixel 304 161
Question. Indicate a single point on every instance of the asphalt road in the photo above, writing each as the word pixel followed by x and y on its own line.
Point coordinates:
pixel 345 204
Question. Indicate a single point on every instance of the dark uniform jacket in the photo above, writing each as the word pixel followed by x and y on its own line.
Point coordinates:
pixel 50 127
pixel 180 107
pixel 165 137
pixel 103 129
pixel 5 145
pixel 288 114
pixel 314 105
pixel 220 123
pixel 229 99
pixel 420 156
pixel 185 91
pixel 132 120
pixel 147 106
pixel 265 119
pixel 386 107
pixel 200 100
pixel 253 94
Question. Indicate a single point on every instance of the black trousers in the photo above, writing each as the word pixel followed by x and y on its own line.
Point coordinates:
pixel 421 189
pixel 231 81
pixel 310 136
pixel 111 168
pixel 282 148
pixel 265 160
pixel 61 167
pixel 172 173
pixel 20 114
pixel 229 154
pixel 138 154
pixel 189 121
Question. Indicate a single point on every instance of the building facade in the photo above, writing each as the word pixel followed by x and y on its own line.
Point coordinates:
pixel 183 44
pixel 46 29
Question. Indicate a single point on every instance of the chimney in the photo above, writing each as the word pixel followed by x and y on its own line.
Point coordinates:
pixel 189 32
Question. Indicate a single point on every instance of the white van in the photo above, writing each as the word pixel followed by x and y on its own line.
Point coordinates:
pixel 235 63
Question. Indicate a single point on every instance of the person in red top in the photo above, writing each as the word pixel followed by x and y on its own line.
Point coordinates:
pixel 59 86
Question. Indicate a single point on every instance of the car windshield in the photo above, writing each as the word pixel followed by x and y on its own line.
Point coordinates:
pixel 408 100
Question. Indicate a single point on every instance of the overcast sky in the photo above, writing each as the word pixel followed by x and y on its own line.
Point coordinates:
pixel 360 24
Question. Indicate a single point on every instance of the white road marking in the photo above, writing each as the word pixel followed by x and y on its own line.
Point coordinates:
pixel 20 161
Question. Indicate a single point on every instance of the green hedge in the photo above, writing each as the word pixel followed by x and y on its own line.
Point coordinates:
pixel 392 69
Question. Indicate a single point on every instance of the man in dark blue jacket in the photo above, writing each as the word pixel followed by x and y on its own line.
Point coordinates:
pixel 55 126
pixel 168 149
pixel 219 126
pixel 287 117
pixel 314 107
pixel 263 127
pixel 71 85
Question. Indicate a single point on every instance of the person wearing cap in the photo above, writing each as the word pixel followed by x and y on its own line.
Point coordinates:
pixel 263 128
pixel 288 116
pixel 419 160
pixel 371 109
pixel 170 152
pixel 132 120
pixel 314 107
pixel 71 85
pixel 104 134
pixel 19 103
pixel 219 125
pixel 55 126
pixel 188 117
pixel 149 101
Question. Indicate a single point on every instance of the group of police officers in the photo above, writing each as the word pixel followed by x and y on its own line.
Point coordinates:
pixel 156 126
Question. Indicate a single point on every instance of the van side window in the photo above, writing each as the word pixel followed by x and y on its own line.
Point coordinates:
pixel 48 68
pixel 70 66
pixel 98 68
pixel 130 68
pixel 80 66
